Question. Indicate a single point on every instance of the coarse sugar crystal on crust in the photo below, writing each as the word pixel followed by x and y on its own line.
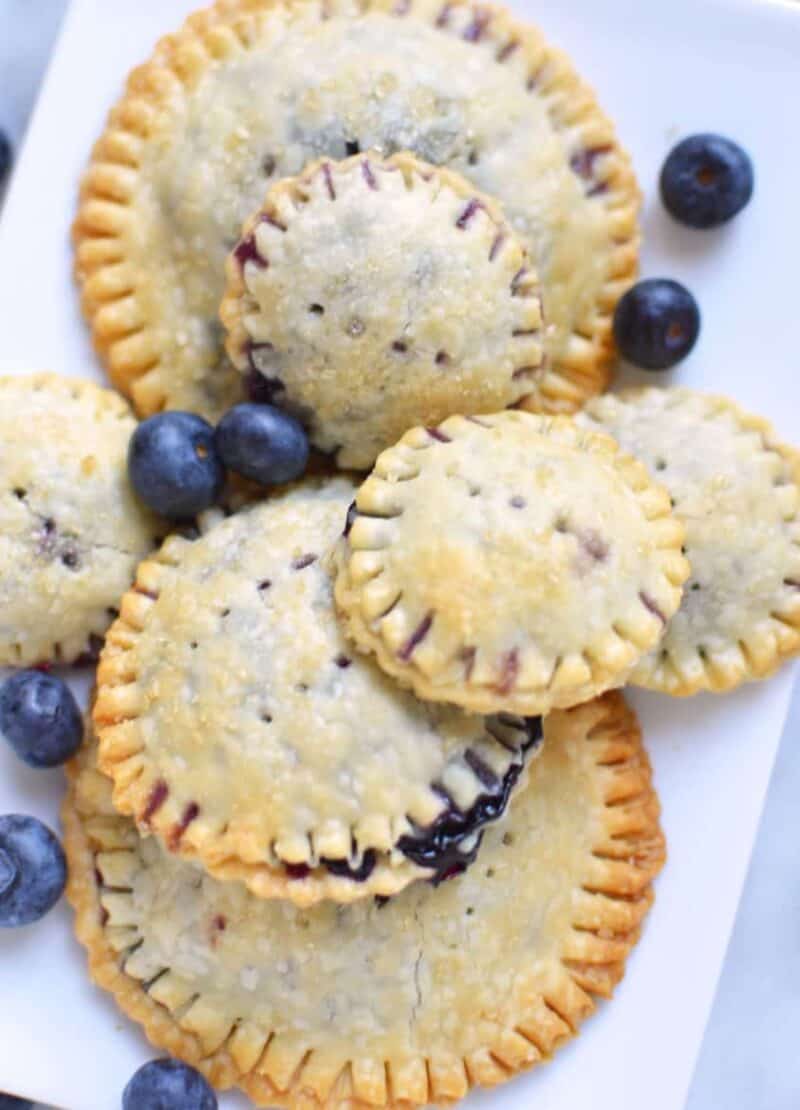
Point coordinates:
pixel 385 1004
pixel 249 91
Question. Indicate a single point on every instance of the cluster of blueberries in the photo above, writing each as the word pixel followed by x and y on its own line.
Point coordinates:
pixel 177 461
pixel 41 721
pixel 177 465
pixel 705 181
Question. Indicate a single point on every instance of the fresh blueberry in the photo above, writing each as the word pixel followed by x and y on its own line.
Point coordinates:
pixel 40 718
pixel 262 443
pixel 174 466
pixel 706 180
pixel 656 324
pixel 11 1102
pixel 168 1085
pixel 6 159
pixel 33 870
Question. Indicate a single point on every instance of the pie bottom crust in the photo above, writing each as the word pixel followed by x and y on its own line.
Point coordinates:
pixel 510 958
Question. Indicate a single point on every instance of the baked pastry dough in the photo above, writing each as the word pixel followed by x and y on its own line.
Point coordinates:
pixel 250 91
pixel 509 562
pixel 239 726
pixel 396 1004
pixel 71 528
pixel 375 294
pixel 737 490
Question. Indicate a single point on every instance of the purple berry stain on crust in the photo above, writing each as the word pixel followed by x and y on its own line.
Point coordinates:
pixel 350 519
pixel 416 638
pixel 467 656
pixel 509 672
pixel 505 52
pixel 326 173
pixel 466 216
pixel 247 251
pixel 46 538
pixel 518 278
pixel 190 814
pixel 438 434
pixel 93 649
pixel 482 771
pixel 297 870
pixel 369 176
pixel 304 561
pixel 258 387
pixel 497 243
pixel 475 31
pixel 360 874
pixel 651 606
pixel 439 847
pixel 594 546
pixel 583 162
pixel 158 795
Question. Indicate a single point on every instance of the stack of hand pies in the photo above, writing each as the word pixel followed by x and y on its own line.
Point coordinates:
pixel 362 818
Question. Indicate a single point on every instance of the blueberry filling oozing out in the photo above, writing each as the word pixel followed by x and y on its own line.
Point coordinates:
pixel 451 844
pixel 359 874
pixel 442 846
pixel 261 389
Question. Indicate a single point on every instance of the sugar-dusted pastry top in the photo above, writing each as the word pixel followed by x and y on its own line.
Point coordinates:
pixel 375 294
pixel 737 490
pixel 509 561
pixel 251 91
pixel 71 529
pixel 391 1004
pixel 239 725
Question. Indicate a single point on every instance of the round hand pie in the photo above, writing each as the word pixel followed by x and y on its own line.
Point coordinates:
pixel 375 294
pixel 251 91
pixel 385 1004
pixel 737 491
pixel 509 562
pixel 239 726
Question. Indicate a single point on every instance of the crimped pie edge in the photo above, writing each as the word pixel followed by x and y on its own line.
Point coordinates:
pixel 289 195
pixel 105 404
pixel 628 855
pixel 141 793
pixel 720 673
pixel 485 698
pixel 122 336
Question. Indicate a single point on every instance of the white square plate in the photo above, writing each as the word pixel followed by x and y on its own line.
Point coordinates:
pixel 661 70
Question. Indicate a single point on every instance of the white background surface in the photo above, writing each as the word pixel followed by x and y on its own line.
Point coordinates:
pixel 697 64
